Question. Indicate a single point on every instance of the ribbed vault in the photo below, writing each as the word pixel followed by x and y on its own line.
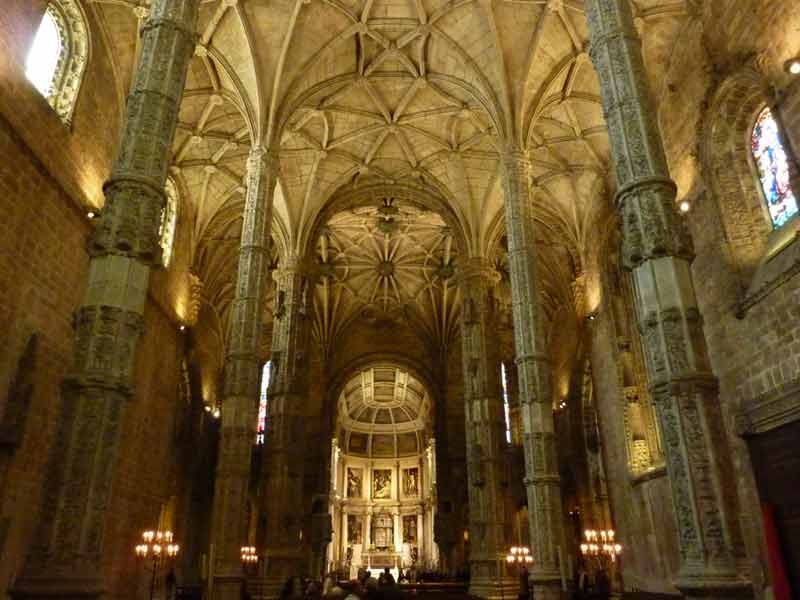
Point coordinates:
pixel 354 94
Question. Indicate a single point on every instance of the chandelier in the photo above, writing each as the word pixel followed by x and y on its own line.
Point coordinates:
pixel 157 547
pixel 600 543
pixel 249 555
pixel 519 555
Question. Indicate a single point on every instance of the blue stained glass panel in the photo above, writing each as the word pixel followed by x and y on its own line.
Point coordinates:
pixel 773 169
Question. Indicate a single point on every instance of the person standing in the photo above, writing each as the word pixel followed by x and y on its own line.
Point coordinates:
pixel 524 585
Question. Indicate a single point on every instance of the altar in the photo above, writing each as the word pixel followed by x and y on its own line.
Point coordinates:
pixel 383 532
pixel 383 512
pixel 379 559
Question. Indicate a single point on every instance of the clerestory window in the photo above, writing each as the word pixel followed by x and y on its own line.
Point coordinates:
pixel 506 403
pixel 169 217
pixel 58 56
pixel 263 405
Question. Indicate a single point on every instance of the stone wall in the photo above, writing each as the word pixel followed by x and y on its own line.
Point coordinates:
pixel 42 265
pixel 49 177
pixel 641 507
pixel 725 66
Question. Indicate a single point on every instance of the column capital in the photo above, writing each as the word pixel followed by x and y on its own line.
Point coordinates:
pixel 262 158
pixel 477 268
pixel 293 266
pixel 516 161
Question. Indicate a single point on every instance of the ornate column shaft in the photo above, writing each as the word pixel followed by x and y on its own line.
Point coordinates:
pixel 542 480
pixel 658 250
pixel 488 516
pixel 110 322
pixel 242 377
pixel 283 501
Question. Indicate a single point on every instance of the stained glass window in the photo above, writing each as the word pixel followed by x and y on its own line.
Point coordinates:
pixel 773 169
pixel 261 428
pixel 506 406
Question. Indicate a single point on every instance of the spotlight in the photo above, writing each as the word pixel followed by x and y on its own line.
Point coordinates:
pixel 685 206
pixel 91 214
pixel 208 408
pixel 792 66
pixel 182 327
pixel 216 413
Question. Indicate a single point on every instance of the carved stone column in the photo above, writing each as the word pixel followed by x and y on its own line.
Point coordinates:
pixel 658 250
pixel 283 501
pixel 67 559
pixel 488 515
pixel 542 480
pixel 242 377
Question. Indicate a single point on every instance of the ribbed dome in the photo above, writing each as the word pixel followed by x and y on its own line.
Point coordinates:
pixel 383 412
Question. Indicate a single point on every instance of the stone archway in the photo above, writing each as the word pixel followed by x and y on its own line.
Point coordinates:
pixel 383 474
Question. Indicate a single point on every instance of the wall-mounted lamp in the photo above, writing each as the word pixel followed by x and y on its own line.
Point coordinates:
pixel 685 206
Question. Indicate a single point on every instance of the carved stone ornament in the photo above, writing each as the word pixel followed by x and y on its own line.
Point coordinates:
pixel 68 77
pixel 651 224
pixel 771 410
pixel 106 337
pixel 130 222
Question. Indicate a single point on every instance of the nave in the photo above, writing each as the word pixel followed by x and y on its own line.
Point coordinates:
pixel 494 293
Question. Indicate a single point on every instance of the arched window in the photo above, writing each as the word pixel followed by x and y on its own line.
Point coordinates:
pixel 261 427
pixel 773 169
pixel 506 405
pixel 58 56
pixel 169 215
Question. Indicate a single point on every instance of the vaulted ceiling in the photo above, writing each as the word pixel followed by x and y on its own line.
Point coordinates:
pixel 393 110
pixel 384 411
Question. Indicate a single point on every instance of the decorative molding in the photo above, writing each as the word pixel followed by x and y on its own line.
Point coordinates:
pixel 769 411
pixel 774 272
pixel 73 58
pixel 656 472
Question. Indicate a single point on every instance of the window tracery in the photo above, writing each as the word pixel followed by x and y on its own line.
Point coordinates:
pixel 169 215
pixel 58 56
pixel 772 164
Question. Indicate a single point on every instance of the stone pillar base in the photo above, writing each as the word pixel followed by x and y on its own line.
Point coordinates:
pixel 548 591
pixel 228 587
pixel 62 588
pixel 270 587
pixel 506 588
pixel 710 586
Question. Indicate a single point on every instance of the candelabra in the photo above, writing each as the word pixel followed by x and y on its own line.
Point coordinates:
pixel 519 555
pixel 159 548
pixel 249 557
pixel 600 544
